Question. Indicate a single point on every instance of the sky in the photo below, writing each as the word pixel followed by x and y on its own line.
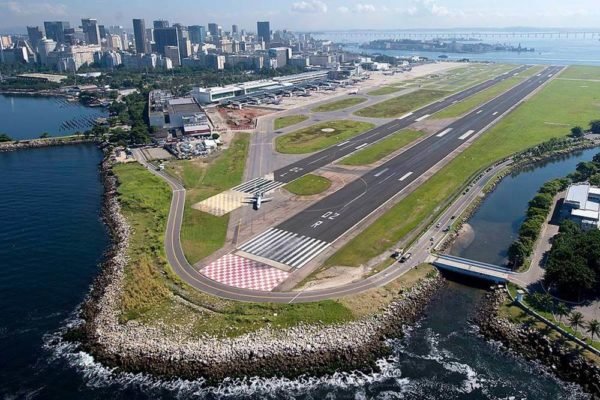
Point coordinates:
pixel 310 15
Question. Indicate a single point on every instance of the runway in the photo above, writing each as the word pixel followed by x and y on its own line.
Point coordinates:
pixel 331 154
pixel 327 220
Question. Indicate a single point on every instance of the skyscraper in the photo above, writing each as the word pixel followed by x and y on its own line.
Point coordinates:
pixel 213 29
pixel 263 31
pixel 165 37
pixel 197 34
pixel 139 31
pixel 161 23
pixel 91 30
pixel 55 30
pixel 234 30
pixel 35 35
pixel 183 39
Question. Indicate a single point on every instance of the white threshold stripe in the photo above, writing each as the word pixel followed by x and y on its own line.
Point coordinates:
pixel 444 132
pixel 495 113
pixel 405 176
pixel 361 146
pixel 405 115
pixel 343 143
pixel 422 118
pixel 467 134
pixel 383 171
pixel 299 250
pixel 263 241
pixel 308 250
pixel 300 263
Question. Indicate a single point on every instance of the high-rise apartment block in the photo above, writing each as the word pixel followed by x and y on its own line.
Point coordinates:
pixel 139 32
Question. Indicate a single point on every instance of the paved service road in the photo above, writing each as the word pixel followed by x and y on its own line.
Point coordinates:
pixel 304 236
pixel 327 156
pixel 186 272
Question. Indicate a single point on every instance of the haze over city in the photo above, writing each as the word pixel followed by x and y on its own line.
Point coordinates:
pixel 313 14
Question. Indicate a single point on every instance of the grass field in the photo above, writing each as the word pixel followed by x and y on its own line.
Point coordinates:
pixel 308 185
pixel 150 285
pixel 382 148
pixel 284 122
pixel 559 106
pixel 477 99
pixel 203 233
pixel 400 105
pixel 313 138
pixel 340 104
pixel 384 90
pixel 581 72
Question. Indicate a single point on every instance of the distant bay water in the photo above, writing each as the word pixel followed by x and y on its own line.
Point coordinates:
pixel 27 117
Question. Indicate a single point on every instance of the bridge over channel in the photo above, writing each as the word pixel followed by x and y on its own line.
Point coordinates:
pixel 473 268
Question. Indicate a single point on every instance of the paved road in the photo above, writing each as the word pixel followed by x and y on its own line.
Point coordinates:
pixel 327 156
pixel 304 236
pixel 186 272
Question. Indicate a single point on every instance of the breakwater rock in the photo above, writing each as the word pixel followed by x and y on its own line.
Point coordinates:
pixel 304 349
pixel 37 143
pixel 561 359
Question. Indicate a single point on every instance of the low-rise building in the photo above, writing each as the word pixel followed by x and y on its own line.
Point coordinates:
pixel 582 205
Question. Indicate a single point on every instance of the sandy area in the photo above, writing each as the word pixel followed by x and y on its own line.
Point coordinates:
pixel 335 276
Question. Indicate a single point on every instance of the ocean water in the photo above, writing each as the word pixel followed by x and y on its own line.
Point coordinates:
pixel 27 117
pixel 52 240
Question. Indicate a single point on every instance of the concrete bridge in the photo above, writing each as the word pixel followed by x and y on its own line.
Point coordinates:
pixel 473 268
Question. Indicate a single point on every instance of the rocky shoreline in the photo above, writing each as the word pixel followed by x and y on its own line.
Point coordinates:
pixel 305 349
pixel 49 142
pixel 532 344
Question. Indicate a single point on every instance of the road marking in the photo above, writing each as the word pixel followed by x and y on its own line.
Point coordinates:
pixel 422 118
pixel 515 74
pixel 455 101
pixel 257 185
pixel 317 160
pixel 361 146
pixel 467 134
pixel 444 132
pixel 405 115
pixel 383 171
pixel 479 112
pixel 405 176
pixel 495 113
pixel 343 143
pixel 550 76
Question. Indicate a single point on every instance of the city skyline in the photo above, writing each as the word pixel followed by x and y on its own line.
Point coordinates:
pixel 306 15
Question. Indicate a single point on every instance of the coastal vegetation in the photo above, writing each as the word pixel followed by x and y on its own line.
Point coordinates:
pixel 480 98
pixel 400 105
pixel 320 136
pixel 203 233
pixel 340 104
pixel 561 103
pixel 131 111
pixel 383 148
pixel 5 138
pixel 308 185
pixel 289 120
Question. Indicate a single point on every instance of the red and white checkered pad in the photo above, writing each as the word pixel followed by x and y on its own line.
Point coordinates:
pixel 243 273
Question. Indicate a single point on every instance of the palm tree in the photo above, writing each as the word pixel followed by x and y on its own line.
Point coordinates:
pixel 561 310
pixel 576 320
pixel 593 328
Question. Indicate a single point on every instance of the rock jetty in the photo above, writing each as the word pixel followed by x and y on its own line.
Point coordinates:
pixel 305 349
pixel 36 143
pixel 530 343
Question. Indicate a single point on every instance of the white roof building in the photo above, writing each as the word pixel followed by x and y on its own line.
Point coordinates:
pixel 582 203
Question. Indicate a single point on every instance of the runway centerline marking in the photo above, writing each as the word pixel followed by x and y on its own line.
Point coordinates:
pixel 361 146
pixel 405 176
pixel 495 113
pixel 479 112
pixel 422 118
pixel 444 132
pixel 343 143
pixel 405 115
pixel 383 171
pixel 467 134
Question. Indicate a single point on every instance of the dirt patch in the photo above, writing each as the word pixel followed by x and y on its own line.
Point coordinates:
pixel 335 276
pixel 242 119
pixel 431 126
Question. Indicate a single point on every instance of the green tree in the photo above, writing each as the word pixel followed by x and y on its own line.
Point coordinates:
pixel 595 126
pixel 44 135
pixel 577 132
pixel 518 251
pixel 587 169
pixel 576 320
pixel 5 138
pixel 561 310
pixel 593 328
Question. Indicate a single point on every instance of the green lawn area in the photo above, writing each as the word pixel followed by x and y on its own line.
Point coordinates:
pixel 384 90
pixel 313 138
pixel 384 147
pixel 400 105
pixel 203 233
pixel 535 121
pixel 340 104
pixel 477 99
pixel 289 120
pixel 308 185
pixel 581 72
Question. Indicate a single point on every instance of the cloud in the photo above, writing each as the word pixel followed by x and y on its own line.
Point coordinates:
pixel 420 8
pixel 309 7
pixel 18 9
pixel 357 8
pixel 343 10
